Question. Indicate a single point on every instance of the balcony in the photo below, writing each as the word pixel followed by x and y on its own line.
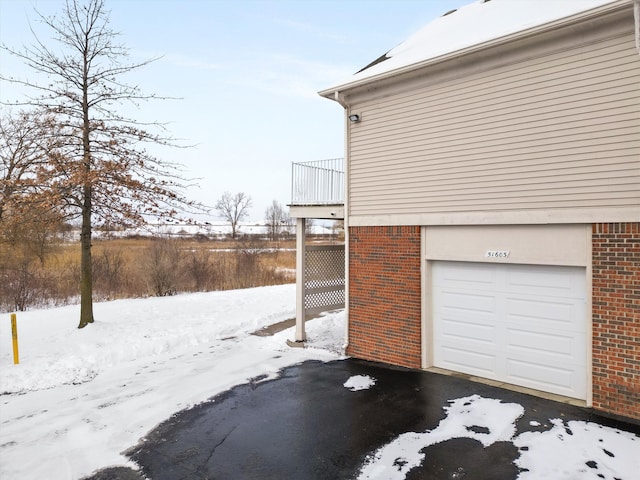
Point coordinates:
pixel 319 182
pixel 317 192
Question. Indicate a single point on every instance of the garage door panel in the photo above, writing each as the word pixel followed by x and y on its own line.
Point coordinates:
pixel 527 328
pixel 544 281
pixel 542 314
pixel 553 378
pixel 551 347
pixel 470 331
pixel 463 303
pixel 461 277
pixel 473 362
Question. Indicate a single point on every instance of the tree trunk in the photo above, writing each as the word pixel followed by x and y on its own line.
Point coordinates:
pixel 86 270
pixel 86 267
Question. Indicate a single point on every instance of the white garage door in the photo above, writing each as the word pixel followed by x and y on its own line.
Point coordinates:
pixel 520 324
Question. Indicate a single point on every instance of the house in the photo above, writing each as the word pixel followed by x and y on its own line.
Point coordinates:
pixel 493 199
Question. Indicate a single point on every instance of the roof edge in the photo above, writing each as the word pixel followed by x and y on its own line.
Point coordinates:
pixel 331 92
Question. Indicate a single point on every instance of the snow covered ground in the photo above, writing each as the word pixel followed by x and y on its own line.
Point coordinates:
pixel 80 397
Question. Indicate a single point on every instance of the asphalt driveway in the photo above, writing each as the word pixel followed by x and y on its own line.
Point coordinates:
pixel 307 425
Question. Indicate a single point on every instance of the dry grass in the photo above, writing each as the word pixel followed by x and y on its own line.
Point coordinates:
pixel 138 267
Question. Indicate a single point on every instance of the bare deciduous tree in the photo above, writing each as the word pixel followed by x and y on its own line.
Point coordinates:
pixel 275 217
pixel 308 226
pixel 233 208
pixel 100 171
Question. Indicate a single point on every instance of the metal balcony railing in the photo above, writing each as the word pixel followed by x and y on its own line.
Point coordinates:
pixel 319 182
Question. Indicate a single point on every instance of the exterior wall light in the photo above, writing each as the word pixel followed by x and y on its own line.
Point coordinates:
pixel 354 117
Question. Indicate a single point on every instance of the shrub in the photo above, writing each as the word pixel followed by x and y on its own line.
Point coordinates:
pixel 162 267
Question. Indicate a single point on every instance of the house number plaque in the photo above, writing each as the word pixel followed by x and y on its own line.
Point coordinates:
pixel 497 254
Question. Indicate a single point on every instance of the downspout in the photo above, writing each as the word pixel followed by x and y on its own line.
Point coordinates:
pixel 340 99
pixel 636 19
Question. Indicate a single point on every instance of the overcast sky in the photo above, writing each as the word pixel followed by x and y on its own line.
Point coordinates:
pixel 247 73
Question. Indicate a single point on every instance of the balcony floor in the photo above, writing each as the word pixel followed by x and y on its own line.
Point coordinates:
pixel 325 211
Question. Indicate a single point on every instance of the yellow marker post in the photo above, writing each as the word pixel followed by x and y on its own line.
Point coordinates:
pixel 14 337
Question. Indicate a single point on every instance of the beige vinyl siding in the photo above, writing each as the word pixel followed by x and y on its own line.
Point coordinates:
pixel 553 132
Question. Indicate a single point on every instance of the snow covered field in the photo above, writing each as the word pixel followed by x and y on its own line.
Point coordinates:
pixel 80 397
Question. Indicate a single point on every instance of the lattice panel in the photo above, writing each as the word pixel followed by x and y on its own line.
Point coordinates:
pixel 324 277
pixel 323 301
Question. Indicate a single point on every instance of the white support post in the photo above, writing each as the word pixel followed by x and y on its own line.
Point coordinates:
pixel 301 336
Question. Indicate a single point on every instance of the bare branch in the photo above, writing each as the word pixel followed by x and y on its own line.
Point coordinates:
pixel 97 169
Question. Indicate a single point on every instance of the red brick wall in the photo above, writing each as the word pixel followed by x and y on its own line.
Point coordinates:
pixel 616 318
pixel 385 304
pixel 384 294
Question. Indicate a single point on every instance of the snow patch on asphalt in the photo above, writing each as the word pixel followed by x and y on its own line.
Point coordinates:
pixel 484 419
pixel 578 449
pixel 575 449
pixel 359 382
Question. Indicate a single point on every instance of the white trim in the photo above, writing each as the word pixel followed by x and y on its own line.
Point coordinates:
pixel 526 244
pixel 636 20
pixel 328 212
pixel 300 334
pixel 588 239
pixel 520 217
pixel 426 332
pixel 346 231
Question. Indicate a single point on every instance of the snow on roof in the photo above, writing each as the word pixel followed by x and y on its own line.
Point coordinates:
pixel 472 24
